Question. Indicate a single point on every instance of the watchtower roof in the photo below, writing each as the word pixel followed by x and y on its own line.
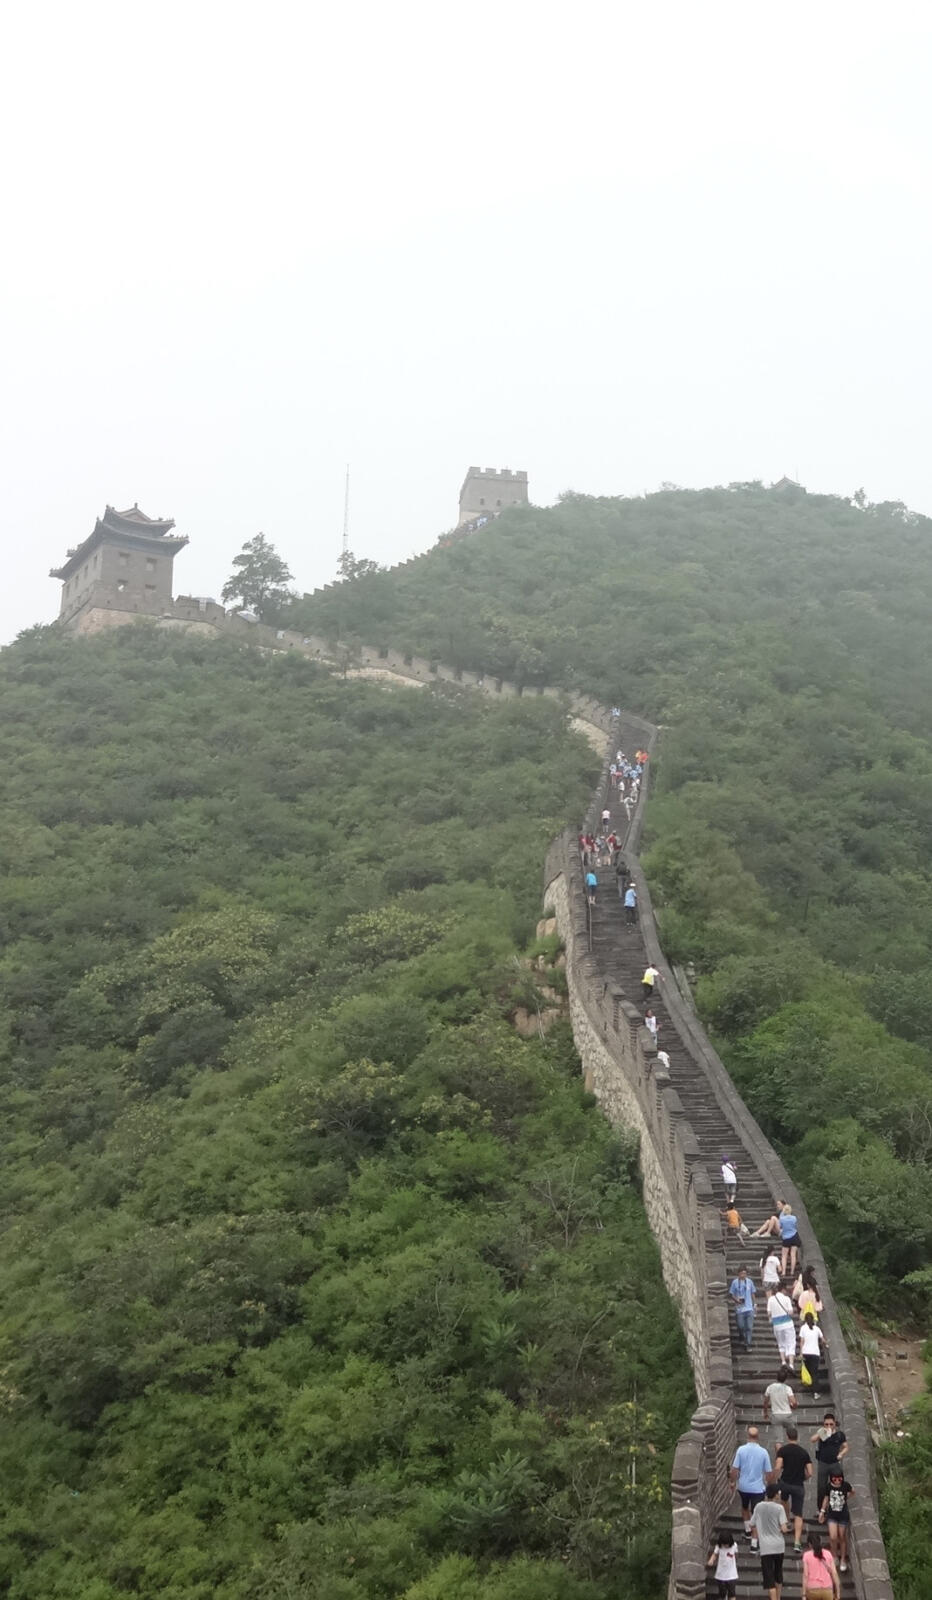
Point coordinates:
pixel 131 528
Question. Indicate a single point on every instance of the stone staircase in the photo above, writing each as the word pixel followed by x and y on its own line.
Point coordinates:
pixel 619 949
pixel 689 1117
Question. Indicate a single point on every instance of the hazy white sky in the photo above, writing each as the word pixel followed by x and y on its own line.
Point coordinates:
pixel 611 243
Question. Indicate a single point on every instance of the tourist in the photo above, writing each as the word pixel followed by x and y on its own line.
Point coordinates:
pixel 729 1178
pixel 750 1473
pixel 733 1217
pixel 779 1399
pixel 651 974
pixel 744 1298
pixel 780 1312
pixel 631 904
pixel 651 1024
pixel 592 883
pixel 806 1293
pixel 831 1447
pixel 771 1226
pixel 820 1575
pixel 768 1530
pixel 770 1270
pixel 724 1559
pixel 834 1510
pixel 606 821
pixel 811 1343
pixel 793 1469
pixel 789 1235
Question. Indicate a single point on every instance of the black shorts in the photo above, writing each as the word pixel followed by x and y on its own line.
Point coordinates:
pixel 795 1493
pixel 792 1244
pixel 771 1570
pixel 749 1501
pixel 726 1588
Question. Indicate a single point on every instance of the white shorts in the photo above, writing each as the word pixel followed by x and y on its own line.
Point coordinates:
pixel 785 1335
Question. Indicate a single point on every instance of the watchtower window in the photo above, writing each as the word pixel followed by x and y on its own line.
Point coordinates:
pixel 121 585
pixel 150 588
pixel 123 558
pixel 498 502
pixel 482 502
pixel 150 563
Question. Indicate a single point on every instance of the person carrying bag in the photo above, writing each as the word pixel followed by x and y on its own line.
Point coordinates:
pixel 820 1575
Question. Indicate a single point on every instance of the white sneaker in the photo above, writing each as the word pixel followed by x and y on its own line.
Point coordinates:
pixel 842 1566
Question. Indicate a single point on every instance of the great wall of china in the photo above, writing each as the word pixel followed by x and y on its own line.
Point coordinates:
pixel 686 1113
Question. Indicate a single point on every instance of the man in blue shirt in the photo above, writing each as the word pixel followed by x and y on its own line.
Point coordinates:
pixel 592 883
pixel 744 1295
pixel 631 902
pixel 750 1474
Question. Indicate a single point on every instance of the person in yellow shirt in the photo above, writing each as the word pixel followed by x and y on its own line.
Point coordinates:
pixel 651 974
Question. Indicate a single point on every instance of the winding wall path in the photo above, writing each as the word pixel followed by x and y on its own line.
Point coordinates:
pixel 689 1115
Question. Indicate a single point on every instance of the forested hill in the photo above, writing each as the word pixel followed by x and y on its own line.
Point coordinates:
pixel 784 642
pixel 315 1278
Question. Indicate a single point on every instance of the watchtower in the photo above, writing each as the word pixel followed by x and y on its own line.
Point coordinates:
pixel 124 566
pixel 486 493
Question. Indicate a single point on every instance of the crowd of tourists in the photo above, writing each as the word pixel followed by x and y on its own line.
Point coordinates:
pixel 771 1491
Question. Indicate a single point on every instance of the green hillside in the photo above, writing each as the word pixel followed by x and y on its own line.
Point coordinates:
pixel 314 1277
pixel 783 642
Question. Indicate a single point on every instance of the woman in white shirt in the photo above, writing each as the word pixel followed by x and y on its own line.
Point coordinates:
pixel 811 1344
pixel 770 1270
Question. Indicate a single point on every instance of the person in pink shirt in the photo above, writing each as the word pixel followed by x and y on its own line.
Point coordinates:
pixel 820 1575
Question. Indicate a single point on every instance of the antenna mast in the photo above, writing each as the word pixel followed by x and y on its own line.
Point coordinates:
pixel 346 514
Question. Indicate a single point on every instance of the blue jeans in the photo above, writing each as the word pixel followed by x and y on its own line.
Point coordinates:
pixel 745 1321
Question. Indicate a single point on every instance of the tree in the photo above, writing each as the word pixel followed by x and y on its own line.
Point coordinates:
pixel 261 578
pixel 348 567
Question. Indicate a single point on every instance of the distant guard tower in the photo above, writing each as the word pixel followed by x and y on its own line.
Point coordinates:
pixel 123 569
pixel 487 493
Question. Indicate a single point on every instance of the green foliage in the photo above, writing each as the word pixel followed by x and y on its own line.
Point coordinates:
pixel 315 1277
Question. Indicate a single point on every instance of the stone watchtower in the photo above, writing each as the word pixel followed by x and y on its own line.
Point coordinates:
pixel 486 493
pixel 123 569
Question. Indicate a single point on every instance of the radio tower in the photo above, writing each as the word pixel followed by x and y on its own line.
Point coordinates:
pixel 346 517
